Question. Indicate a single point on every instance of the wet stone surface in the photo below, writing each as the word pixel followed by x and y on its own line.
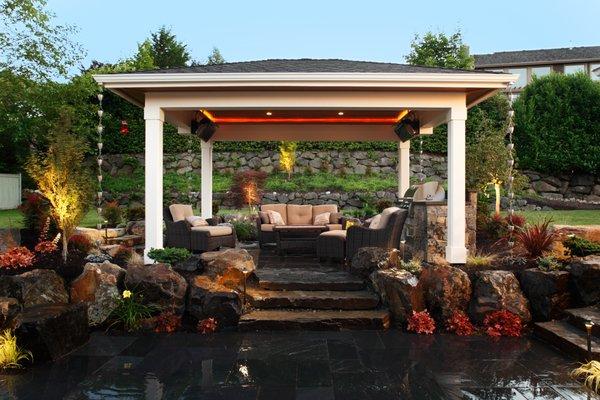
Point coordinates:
pixel 301 365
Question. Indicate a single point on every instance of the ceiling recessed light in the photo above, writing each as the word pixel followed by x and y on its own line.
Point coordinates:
pixel 269 113
pixel 341 113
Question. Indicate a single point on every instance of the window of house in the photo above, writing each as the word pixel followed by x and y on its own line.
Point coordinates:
pixel 540 71
pixel 522 81
pixel 574 68
pixel 595 71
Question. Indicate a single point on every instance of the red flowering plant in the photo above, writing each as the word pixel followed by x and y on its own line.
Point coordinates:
pixel 502 323
pixel 167 322
pixel 46 246
pixel 207 325
pixel 460 324
pixel 17 257
pixel 421 322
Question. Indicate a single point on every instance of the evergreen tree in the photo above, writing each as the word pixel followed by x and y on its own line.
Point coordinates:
pixel 167 51
pixel 215 57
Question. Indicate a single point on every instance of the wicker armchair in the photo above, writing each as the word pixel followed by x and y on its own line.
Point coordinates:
pixel 385 237
pixel 180 234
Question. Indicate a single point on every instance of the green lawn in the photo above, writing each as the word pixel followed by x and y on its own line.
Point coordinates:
pixel 14 219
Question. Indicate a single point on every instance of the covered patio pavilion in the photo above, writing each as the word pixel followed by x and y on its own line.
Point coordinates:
pixel 306 100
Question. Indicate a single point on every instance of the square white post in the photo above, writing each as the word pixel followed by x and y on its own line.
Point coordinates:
pixel 403 167
pixel 153 183
pixel 206 176
pixel 456 251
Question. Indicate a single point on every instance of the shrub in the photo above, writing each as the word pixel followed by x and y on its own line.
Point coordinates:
pixel 536 239
pixel 557 124
pixel 549 264
pixel 167 322
pixel 590 373
pixel 112 214
pixel 47 246
pixel 245 230
pixel 502 323
pixel 516 219
pixel 17 257
pixel 36 213
pixel 496 226
pixel 481 260
pixel 122 256
pixel 413 266
pixel 383 204
pixel 169 255
pixel 421 322
pixel 11 355
pixel 580 247
pixel 207 325
pixel 136 213
pixel 247 188
pixel 80 243
pixel 130 311
pixel 460 324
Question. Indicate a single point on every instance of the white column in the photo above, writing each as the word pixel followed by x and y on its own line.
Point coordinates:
pixel 403 167
pixel 456 252
pixel 206 176
pixel 153 184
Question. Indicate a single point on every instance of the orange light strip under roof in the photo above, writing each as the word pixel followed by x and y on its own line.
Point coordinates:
pixel 208 115
pixel 317 120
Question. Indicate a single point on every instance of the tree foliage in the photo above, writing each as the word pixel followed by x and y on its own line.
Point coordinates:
pixel 557 124
pixel 287 157
pixel 440 50
pixel 215 57
pixel 167 51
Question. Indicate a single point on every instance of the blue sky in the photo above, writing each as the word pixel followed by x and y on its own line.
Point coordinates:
pixel 360 30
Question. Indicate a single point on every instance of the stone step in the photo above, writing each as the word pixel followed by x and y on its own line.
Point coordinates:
pixel 579 316
pixel 307 279
pixel 126 240
pixel 314 320
pixel 313 299
pixel 567 338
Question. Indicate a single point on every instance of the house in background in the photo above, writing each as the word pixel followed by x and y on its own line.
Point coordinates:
pixel 528 63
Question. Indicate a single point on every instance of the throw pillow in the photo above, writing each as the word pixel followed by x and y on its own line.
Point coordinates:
pixel 264 217
pixel 322 219
pixel 196 221
pixel 375 222
pixel 335 218
pixel 275 218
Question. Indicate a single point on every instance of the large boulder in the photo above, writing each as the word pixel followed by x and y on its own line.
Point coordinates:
pixel 547 291
pixel 368 259
pixel 400 291
pixel 227 267
pixel 9 309
pixel 495 291
pixel 208 299
pixel 585 275
pixel 446 289
pixel 159 285
pixel 53 330
pixel 98 287
pixel 35 287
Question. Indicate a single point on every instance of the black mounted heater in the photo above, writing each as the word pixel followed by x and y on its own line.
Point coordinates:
pixel 408 128
pixel 202 126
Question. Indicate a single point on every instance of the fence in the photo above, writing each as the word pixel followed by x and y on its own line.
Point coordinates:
pixel 10 191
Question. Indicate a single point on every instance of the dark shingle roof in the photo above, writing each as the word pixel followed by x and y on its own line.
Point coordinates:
pixel 307 65
pixel 548 56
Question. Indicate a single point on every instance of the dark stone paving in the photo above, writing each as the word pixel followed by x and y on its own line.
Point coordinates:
pixel 301 365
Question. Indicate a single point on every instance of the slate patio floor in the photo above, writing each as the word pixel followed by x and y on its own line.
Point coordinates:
pixel 301 365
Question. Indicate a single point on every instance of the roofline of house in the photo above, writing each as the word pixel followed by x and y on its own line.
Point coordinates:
pixel 533 63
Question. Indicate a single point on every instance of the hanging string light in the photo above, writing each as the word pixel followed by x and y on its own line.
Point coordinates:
pixel 511 165
pixel 99 160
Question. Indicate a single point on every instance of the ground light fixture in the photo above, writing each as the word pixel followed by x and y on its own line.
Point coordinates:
pixel 588 327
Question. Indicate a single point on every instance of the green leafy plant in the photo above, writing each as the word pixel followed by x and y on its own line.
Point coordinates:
pixel 136 213
pixel 112 214
pixel 130 311
pixel 580 247
pixel 11 355
pixel 245 230
pixel 549 263
pixel 481 260
pixel 590 373
pixel 169 255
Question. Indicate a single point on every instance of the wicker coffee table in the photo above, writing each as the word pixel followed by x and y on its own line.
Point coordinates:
pixel 297 237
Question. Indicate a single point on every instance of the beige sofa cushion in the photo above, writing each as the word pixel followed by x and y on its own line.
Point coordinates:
pixel 374 224
pixel 266 227
pixel 299 214
pixel 280 208
pixel 385 216
pixel 195 220
pixel 323 208
pixel 335 233
pixel 180 211
pixel 219 230
pixel 334 227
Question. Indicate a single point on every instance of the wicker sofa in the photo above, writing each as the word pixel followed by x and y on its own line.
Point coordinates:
pixel 197 239
pixel 297 215
pixel 385 233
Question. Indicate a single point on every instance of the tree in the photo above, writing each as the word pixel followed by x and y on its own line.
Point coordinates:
pixel 440 50
pixel 215 57
pixel 167 51
pixel 60 179
pixel 557 124
pixel 144 59
pixel 32 45
pixel 287 157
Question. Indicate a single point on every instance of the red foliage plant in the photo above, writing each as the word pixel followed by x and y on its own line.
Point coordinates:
pixel 516 219
pixel 207 325
pixel 167 322
pixel 503 323
pixel 421 322
pixel 17 257
pixel 247 187
pixel 80 243
pixel 460 324
pixel 537 238
pixel 46 246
